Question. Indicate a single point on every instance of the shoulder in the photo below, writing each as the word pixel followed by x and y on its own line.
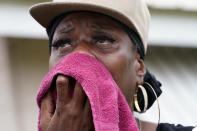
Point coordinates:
pixel 149 126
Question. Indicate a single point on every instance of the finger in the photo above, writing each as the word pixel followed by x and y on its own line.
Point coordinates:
pixel 88 118
pixel 47 110
pixel 79 96
pixel 63 96
pixel 71 87
pixel 87 109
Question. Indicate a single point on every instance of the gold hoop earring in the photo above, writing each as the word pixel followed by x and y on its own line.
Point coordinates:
pixel 136 104
pixel 156 99
pixel 145 99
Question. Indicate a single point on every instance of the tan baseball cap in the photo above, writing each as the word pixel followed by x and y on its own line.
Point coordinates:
pixel 133 13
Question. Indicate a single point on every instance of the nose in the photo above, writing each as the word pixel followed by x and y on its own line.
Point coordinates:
pixel 84 48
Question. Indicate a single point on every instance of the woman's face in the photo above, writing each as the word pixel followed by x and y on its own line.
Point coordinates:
pixel 102 38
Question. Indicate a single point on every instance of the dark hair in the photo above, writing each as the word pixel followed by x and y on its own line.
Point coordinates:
pixel 149 77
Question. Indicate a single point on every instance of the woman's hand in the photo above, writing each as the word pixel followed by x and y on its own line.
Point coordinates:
pixel 72 112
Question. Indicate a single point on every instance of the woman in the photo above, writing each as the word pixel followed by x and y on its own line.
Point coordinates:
pixel 115 33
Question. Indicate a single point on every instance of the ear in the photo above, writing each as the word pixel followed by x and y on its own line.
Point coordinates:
pixel 140 69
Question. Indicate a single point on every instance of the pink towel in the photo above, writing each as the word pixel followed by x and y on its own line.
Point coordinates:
pixel 110 110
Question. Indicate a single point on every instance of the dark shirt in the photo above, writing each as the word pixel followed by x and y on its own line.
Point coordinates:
pixel 172 127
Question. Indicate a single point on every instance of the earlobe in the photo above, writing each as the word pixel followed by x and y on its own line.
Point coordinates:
pixel 140 69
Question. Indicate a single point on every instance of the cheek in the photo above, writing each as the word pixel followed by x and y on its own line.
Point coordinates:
pixel 121 67
pixel 53 60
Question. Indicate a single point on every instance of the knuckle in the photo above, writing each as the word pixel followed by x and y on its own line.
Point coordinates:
pixel 62 110
pixel 68 111
pixel 71 113
pixel 75 106
pixel 74 113
pixel 59 111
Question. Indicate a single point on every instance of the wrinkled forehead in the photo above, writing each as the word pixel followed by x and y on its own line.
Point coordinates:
pixel 98 21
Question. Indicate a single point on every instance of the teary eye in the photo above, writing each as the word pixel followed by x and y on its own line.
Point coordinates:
pixel 62 43
pixel 103 41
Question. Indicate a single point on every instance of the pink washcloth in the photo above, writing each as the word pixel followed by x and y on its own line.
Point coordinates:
pixel 110 110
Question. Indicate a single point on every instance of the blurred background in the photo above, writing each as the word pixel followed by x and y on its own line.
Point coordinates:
pixel 171 56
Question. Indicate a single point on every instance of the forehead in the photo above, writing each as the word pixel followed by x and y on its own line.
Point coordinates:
pixel 96 20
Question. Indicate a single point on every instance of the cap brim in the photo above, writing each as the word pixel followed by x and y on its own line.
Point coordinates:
pixel 44 13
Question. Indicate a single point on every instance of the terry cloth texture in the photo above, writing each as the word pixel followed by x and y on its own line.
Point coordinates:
pixel 110 110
